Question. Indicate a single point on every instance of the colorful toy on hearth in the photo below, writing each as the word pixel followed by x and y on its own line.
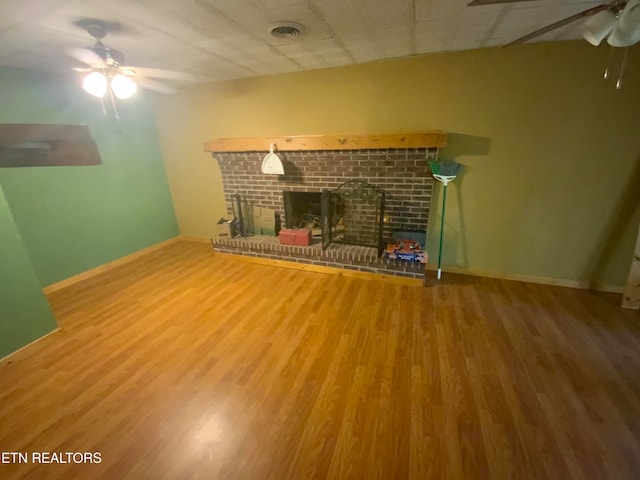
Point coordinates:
pixel 408 250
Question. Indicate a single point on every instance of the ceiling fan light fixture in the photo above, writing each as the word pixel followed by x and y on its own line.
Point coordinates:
pixel 622 38
pixel 123 86
pixel 95 83
pixel 630 18
pixel 599 26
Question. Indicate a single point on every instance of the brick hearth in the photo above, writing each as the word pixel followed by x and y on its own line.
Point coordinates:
pixel 350 257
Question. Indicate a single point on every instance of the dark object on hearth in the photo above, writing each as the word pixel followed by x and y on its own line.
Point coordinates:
pixel 353 214
pixel 238 218
pixel 415 235
pixel 407 250
pixel 300 208
pixel 312 222
pixel 295 236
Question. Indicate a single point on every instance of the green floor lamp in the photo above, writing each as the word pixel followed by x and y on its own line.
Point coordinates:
pixel 444 171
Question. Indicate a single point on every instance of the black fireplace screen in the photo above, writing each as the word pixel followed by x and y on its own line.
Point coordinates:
pixel 353 214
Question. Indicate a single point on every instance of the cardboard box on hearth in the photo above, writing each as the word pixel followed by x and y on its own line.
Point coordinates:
pixel 261 221
pixel 225 228
pixel 268 222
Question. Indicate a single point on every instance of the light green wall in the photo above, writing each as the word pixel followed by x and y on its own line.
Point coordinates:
pixel 75 218
pixel 551 151
pixel 24 312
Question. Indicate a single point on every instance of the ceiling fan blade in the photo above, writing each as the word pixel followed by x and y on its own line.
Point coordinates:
pixel 160 73
pixel 155 86
pixel 479 3
pixel 559 24
pixel 85 55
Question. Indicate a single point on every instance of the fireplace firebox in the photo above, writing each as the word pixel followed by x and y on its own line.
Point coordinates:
pixel 352 214
pixel 302 210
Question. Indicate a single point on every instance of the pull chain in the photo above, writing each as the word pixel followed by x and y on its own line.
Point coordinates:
pixel 623 67
pixel 606 70
pixel 113 104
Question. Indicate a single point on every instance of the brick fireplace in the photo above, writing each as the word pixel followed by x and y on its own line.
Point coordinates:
pixel 402 173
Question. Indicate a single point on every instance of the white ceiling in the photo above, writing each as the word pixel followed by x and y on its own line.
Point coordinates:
pixel 227 39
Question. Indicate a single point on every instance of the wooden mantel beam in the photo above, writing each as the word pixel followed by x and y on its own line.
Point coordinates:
pixel 428 139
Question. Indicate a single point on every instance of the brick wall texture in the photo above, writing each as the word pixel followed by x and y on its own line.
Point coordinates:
pixel 402 173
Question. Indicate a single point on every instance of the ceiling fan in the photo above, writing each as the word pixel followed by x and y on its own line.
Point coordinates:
pixel 618 21
pixel 108 75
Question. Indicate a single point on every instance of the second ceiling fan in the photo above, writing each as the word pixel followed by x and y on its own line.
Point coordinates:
pixel 618 21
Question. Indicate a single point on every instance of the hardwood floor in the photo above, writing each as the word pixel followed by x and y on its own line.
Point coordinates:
pixel 182 365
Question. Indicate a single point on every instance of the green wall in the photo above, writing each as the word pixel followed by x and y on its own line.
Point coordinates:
pixel 72 219
pixel 24 312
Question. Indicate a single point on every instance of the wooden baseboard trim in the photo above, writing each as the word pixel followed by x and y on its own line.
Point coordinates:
pixel 412 282
pixel 195 239
pixel 24 347
pixel 54 287
pixel 559 282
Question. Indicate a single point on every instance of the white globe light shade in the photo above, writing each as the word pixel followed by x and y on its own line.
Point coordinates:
pixel 630 17
pixel 623 38
pixel 122 86
pixel 96 84
pixel 599 26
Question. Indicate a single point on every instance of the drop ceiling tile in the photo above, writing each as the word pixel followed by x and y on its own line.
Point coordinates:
pixel 232 8
pixel 334 54
pixel 394 52
pixel 338 61
pixel 428 37
pixel 14 12
pixel 291 49
pixel 497 41
pixel 216 37
pixel 39 38
pixel 430 45
pixel 365 55
pixel 322 44
pixel 344 16
pixel 434 9
pixel 310 61
pixel 299 12
pixel 386 14
pixel 260 67
pixel 521 21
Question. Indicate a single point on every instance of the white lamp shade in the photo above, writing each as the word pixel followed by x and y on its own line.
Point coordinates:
pixel 623 38
pixel 122 86
pixel 599 26
pixel 630 18
pixel 96 84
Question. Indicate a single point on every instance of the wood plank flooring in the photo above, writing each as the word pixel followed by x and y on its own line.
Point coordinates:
pixel 183 365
